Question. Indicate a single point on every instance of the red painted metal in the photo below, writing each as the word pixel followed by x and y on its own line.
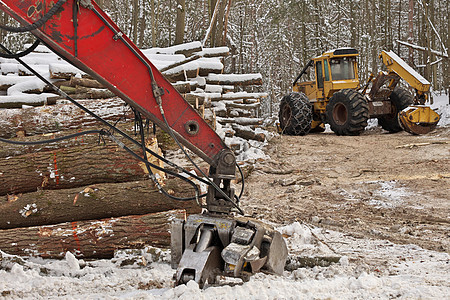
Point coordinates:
pixel 111 62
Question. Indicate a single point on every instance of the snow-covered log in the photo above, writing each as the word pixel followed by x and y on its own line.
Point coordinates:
pixel 248 133
pixel 215 52
pixel 235 79
pixel 25 100
pixel 64 71
pixel 40 120
pixel 186 49
pixel 86 82
pixel 88 94
pixel 242 105
pixel 240 121
pixel 91 239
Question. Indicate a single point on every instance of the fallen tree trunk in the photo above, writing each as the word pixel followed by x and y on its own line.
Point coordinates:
pixel 67 168
pixel 91 239
pixel 93 202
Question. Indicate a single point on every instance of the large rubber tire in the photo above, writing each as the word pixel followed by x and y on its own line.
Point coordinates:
pixel 347 112
pixel 295 114
pixel 400 98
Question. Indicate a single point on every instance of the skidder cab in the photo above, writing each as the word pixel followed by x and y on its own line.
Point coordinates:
pixel 336 98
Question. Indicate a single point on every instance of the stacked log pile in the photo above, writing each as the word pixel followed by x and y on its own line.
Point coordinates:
pixel 52 195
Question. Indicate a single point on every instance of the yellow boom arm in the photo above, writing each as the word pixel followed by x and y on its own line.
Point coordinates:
pixel 397 65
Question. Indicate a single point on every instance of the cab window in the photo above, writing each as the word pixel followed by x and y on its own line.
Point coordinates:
pixel 319 74
pixel 342 68
pixel 327 72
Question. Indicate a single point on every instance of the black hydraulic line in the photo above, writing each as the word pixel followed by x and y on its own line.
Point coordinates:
pixel 309 64
pixel 23 53
pixel 75 26
pixel 38 23
pixel 242 180
pixel 156 91
pixel 152 176
pixel 55 140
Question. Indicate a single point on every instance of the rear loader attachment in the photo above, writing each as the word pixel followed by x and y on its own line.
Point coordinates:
pixel 417 118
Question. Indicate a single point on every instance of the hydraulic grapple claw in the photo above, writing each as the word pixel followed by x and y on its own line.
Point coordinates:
pixel 232 247
pixel 418 119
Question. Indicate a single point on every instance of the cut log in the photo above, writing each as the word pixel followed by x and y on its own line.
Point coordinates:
pixel 74 89
pixel 180 74
pixel 237 113
pixel 194 100
pixel 248 134
pixel 68 167
pixel 240 121
pixel 180 63
pixel 92 202
pixel 215 52
pixel 59 117
pixel 63 71
pixel 235 79
pixel 86 82
pixel 18 104
pixel 91 239
pixel 243 106
pixel 182 87
pixel 89 94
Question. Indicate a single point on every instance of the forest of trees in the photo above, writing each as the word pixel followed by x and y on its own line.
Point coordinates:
pixel 277 37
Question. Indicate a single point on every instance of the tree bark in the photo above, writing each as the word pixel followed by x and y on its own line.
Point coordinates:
pixel 235 79
pixel 61 117
pixel 90 83
pixel 248 134
pixel 68 167
pixel 180 22
pixel 92 202
pixel 90 239
pixel 19 104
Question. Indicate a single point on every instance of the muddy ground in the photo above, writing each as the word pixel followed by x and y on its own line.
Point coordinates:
pixel 377 185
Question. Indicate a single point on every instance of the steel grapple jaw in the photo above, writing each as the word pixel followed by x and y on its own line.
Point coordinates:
pixel 418 119
pixel 206 246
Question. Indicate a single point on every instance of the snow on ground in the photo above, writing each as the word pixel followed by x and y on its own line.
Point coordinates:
pixel 442 106
pixel 367 269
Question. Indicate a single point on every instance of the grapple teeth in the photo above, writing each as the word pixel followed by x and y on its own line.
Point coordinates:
pixel 418 119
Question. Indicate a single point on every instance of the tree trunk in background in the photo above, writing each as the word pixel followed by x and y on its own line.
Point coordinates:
pixel 91 239
pixel 103 200
pixel 142 24
pixel 411 32
pixel 220 21
pixel 154 20
pixel 180 23
pixel 212 7
pixel 134 21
